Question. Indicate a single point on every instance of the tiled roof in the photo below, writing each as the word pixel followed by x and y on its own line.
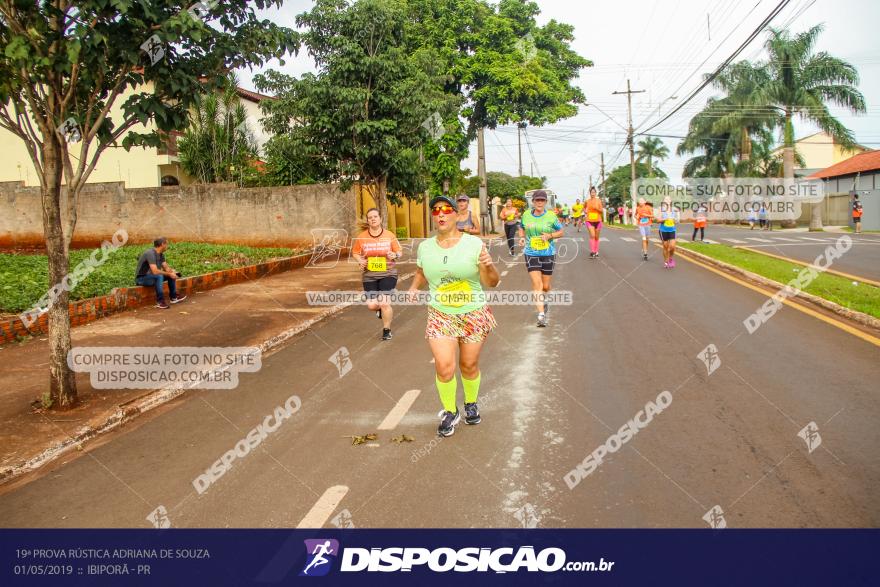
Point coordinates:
pixel 868 161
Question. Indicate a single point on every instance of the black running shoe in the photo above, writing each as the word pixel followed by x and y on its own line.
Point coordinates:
pixel 386 334
pixel 379 314
pixel 645 256
pixel 448 421
pixel 472 414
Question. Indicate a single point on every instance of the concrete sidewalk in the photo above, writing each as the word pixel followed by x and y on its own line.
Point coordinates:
pixel 243 314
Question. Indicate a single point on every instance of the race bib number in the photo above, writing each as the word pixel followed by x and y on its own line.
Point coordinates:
pixel 593 216
pixel 511 217
pixel 455 294
pixel 669 222
pixel 538 244
pixel 644 220
pixel 377 264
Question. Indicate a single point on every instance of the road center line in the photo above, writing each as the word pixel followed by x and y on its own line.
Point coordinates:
pixel 399 410
pixel 326 505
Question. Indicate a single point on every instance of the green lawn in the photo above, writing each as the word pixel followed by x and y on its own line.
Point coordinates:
pixel 24 279
pixel 862 297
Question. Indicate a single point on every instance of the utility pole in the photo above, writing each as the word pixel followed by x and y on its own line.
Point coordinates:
pixel 484 185
pixel 591 182
pixel 519 128
pixel 632 152
pixel 602 172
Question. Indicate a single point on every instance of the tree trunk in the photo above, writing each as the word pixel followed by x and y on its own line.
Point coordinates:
pixel 62 383
pixel 381 197
pixel 788 162
pixel 446 187
pixel 745 148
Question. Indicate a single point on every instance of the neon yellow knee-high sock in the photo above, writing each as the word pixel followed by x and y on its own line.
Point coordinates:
pixel 471 388
pixel 447 392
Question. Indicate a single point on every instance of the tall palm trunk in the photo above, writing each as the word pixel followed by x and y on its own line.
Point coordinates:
pixel 745 149
pixel 788 165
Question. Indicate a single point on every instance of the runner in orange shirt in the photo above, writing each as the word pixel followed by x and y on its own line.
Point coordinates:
pixel 375 249
pixel 594 209
pixel 644 216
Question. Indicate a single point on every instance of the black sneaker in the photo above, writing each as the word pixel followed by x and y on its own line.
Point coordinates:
pixel 162 305
pixel 448 421
pixel 178 299
pixel 472 414
pixel 645 256
pixel 386 334
pixel 542 320
pixel 379 314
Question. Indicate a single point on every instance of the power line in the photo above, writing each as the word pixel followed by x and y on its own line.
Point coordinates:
pixel 782 4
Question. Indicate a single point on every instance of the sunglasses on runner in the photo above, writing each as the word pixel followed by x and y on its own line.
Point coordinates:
pixel 442 210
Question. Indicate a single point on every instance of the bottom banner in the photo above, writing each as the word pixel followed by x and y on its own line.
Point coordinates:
pixel 402 557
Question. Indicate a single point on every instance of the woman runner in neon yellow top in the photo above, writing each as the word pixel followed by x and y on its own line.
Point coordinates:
pixel 455 266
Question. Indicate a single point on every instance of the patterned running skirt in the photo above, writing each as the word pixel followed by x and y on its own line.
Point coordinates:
pixel 471 327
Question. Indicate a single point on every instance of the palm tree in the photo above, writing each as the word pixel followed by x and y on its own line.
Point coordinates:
pixel 802 83
pixel 652 148
pixel 217 145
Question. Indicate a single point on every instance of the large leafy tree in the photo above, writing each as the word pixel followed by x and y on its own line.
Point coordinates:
pixel 617 184
pixel 503 185
pixel 652 149
pixel 367 113
pixel 801 83
pixel 75 71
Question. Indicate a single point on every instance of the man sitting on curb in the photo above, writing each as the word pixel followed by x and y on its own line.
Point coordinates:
pixel 153 270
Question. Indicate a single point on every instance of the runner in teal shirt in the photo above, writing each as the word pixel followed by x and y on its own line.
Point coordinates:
pixel 538 230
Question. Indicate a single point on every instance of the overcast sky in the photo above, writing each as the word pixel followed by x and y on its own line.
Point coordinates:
pixel 661 48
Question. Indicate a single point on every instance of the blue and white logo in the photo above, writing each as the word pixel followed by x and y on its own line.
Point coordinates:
pixel 320 555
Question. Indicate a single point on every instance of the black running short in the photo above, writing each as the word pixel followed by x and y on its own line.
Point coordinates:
pixel 378 285
pixel 544 264
pixel 667 236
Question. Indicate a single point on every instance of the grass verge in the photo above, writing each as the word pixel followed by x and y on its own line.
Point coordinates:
pixel 24 279
pixel 861 298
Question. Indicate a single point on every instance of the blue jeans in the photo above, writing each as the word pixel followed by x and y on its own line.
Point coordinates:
pixel 157 281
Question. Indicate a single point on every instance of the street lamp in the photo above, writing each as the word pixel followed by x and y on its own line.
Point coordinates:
pixel 664 102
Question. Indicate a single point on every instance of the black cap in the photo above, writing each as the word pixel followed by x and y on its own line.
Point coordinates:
pixel 437 199
pixel 539 195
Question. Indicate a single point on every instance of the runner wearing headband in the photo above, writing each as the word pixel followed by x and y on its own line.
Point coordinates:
pixel 375 250
pixel 455 266
pixel 644 215
pixel 538 228
pixel 668 217
pixel 594 221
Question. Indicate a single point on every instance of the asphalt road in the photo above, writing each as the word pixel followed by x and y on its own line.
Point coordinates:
pixel 550 397
pixel 862 260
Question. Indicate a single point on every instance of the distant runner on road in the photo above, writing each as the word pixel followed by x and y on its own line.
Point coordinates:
pixel 375 249
pixel 509 214
pixel 538 229
pixel 644 216
pixel 668 217
pixel 455 266
pixel 465 220
pixel 594 221
pixel 577 213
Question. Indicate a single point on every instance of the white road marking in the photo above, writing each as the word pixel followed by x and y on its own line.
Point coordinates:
pixel 627 239
pixel 734 241
pixel 788 240
pixel 757 240
pixel 603 239
pixel 503 273
pixel 326 505
pixel 818 240
pixel 710 241
pixel 399 410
